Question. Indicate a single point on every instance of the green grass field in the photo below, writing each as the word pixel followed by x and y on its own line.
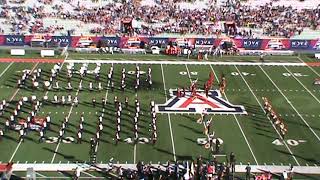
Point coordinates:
pixel 252 137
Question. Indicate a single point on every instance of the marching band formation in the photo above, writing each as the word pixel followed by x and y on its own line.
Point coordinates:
pixel 42 125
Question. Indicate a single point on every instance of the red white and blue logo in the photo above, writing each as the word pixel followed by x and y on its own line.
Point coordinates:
pixel 198 103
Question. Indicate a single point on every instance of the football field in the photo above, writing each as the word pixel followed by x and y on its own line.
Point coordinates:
pixel 289 85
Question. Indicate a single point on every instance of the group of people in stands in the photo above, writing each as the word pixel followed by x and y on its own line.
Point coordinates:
pixel 166 17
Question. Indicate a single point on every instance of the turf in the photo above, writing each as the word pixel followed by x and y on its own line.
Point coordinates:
pixel 250 136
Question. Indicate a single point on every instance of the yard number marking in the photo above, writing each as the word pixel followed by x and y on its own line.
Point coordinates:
pixel 66 140
pixel 192 73
pixel 134 72
pixel 243 73
pixel 141 140
pixel 291 142
pixel 296 74
pixel 203 141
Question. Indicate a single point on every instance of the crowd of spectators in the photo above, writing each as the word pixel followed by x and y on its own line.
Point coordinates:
pixel 165 17
pixel 199 169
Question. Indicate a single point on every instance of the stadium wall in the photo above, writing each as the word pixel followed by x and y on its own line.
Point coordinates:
pixel 248 44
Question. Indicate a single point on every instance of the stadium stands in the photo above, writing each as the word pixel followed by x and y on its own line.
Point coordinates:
pixel 249 18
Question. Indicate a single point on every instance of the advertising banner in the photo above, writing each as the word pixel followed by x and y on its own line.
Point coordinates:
pixel 109 41
pixel 299 44
pixel 59 41
pixel 252 44
pixel 205 41
pixel 160 42
pixel 14 40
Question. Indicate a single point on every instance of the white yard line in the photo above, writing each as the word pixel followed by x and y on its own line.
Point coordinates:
pixel 88 174
pixel 283 141
pixel 103 109
pixel 5 70
pixel 134 153
pixel 305 122
pixel 15 93
pixel 179 62
pixel 15 151
pixel 41 175
pixel 303 85
pixel 243 134
pixel 309 67
pixel 169 119
pixel 69 113
pixel 188 73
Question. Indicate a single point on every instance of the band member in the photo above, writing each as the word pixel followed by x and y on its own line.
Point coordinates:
pixel 103 102
pixel 81 127
pixel 203 117
pixel 69 87
pixel 61 132
pixel 69 99
pixel 76 101
pixel 123 85
pixel 79 136
pixel 56 85
pixel 136 86
pixel 112 86
pixel 100 126
pixel 126 101
pixel 55 99
pixel 98 134
pixel 109 77
pixel 1 134
pixel 94 102
pixel 41 136
pixel 80 86
pixel 193 87
pixel 283 129
pixel 100 86
pixel 63 100
pixel 90 86
pixel 136 136
pixel 154 137
pixel 66 120
pixel 63 126
pixel 117 137
pixel 19 83
pixel 179 93
pixel 206 89
pixel 116 101
pixel 22 133
pixel 12 118
pixel 7 125
pixel 207 125
pixel 223 84
pixel 82 118
pixel 45 125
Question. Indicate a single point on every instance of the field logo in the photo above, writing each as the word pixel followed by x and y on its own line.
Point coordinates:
pixel 199 103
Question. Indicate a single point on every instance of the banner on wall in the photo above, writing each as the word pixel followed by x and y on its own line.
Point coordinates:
pixel 109 41
pixel 252 44
pixel 59 41
pixel 247 44
pixel 160 42
pixel 299 44
pixel 204 42
pixel 14 40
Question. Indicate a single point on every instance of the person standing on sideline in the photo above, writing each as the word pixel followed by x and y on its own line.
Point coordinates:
pixel 232 162
pixel 248 171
